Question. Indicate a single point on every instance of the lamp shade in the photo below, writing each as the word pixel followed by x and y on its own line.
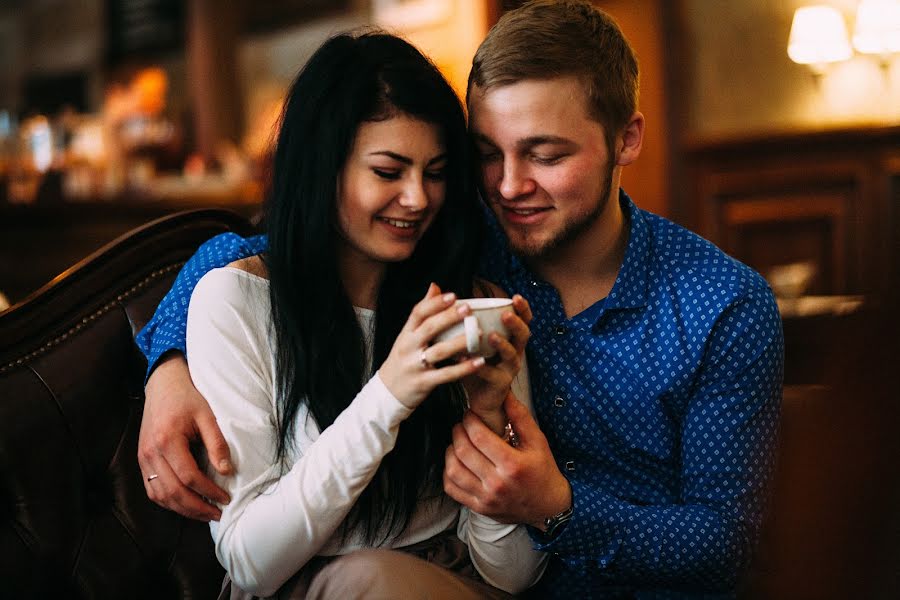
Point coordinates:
pixel 877 28
pixel 818 36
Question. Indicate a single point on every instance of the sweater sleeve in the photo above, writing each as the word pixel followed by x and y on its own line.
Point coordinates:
pixel 278 518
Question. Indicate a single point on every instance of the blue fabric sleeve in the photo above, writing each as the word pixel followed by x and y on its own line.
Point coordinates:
pixel 729 436
pixel 166 329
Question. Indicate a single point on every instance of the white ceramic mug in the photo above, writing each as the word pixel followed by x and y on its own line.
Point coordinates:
pixel 481 323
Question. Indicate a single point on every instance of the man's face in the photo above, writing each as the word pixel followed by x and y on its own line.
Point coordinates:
pixel 546 170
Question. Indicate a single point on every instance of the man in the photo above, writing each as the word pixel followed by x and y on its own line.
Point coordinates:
pixel 656 359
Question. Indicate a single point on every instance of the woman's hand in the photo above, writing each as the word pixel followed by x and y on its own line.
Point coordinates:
pixel 488 387
pixel 410 371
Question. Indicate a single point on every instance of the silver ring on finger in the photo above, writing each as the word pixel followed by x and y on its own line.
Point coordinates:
pixel 152 477
pixel 423 358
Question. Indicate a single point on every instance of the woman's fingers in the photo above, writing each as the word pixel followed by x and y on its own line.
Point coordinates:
pixel 438 322
pixel 501 373
pixel 522 308
pixel 518 330
pixel 433 302
pixel 446 350
pixel 454 371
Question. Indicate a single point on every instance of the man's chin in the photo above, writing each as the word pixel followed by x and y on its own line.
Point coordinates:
pixel 529 249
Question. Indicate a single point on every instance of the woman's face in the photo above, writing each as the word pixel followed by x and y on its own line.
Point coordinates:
pixel 391 187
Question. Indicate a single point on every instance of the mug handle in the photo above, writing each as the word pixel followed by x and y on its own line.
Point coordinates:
pixel 473 334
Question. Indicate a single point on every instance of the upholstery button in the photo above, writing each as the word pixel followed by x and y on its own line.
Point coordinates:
pixel 559 402
pixel 561 330
pixel 570 465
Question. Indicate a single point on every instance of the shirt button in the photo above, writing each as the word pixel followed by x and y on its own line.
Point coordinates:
pixel 559 402
pixel 534 284
pixel 570 465
pixel 561 330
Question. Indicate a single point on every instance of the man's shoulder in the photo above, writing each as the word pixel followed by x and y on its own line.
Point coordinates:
pixel 693 261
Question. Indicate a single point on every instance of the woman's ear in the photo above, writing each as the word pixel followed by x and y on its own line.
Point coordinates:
pixel 629 142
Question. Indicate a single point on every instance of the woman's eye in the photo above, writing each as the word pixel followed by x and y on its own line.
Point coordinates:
pixel 387 174
pixel 438 175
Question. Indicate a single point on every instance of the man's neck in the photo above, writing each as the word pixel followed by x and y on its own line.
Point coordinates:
pixel 585 270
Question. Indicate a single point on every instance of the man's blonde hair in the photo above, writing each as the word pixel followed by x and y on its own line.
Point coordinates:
pixel 551 38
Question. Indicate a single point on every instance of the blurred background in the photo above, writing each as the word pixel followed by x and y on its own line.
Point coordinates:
pixel 773 129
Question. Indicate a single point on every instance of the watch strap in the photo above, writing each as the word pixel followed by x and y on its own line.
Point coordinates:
pixel 553 525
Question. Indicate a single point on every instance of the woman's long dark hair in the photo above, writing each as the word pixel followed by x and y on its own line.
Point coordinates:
pixel 320 351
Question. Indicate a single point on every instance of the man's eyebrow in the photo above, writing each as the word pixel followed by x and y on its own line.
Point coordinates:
pixel 538 140
pixel 528 142
pixel 480 137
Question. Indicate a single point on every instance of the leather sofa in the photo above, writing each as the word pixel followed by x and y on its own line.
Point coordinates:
pixel 75 521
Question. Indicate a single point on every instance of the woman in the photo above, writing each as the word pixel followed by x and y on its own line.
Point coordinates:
pixel 370 202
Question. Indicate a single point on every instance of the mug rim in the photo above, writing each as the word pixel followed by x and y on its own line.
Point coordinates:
pixel 486 303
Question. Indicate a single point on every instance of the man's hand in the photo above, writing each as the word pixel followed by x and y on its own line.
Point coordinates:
pixel 511 485
pixel 174 415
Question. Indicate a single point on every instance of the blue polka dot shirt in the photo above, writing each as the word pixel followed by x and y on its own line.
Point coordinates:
pixel 660 403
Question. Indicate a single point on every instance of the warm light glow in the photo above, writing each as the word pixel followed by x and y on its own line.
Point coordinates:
pixel 877 28
pixel 818 36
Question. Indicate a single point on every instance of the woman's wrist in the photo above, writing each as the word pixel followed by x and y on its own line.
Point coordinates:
pixel 495 419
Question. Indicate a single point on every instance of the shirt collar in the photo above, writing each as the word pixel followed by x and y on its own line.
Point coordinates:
pixel 630 288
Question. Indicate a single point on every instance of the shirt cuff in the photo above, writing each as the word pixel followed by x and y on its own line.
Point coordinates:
pixel 157 338
pixel 589 535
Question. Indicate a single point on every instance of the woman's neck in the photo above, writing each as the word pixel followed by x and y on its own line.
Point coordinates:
pixel 361 277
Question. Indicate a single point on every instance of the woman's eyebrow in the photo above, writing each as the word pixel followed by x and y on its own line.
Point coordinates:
pixel 398 157
pixel 405 159
pixel 439 158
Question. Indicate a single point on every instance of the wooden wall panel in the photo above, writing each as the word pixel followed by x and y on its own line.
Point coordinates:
pixel 819 197
pixel 771 217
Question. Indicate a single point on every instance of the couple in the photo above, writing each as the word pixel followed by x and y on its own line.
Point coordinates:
pixel 655 358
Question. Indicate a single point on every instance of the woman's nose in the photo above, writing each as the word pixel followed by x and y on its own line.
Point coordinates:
pixel 414 196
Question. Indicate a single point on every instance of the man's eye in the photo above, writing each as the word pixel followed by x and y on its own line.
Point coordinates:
pixel 436 175
pixel 489 156
pixel 548 159
pixel 388 174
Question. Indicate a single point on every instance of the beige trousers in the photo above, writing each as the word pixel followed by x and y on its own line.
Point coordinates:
pixel 436 569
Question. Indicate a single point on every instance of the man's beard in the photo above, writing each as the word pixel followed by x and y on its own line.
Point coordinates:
pixel 571 230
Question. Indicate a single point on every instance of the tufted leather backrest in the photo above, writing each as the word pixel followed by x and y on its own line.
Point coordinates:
pixel 75 521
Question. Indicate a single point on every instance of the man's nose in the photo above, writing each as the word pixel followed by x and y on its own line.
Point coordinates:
pixel 515 180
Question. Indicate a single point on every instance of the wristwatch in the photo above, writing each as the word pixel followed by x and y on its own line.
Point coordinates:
pixel 553 525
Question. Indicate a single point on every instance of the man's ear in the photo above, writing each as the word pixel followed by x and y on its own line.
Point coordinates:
pixel 630 140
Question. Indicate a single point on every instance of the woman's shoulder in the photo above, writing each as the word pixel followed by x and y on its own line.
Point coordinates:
pixel 240 285
pixel 253 265
pixel 482 288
